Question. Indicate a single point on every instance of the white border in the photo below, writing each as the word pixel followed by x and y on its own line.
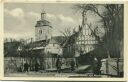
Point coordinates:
pixel 64 79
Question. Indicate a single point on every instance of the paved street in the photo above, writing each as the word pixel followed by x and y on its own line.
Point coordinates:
pixel 51 74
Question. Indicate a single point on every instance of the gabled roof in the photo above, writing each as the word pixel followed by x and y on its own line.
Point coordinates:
pixel 41 43
pixel 57 40
pixel 53 41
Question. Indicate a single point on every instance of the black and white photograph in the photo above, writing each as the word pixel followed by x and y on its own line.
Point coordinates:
pixel 63 81
pixel 71 40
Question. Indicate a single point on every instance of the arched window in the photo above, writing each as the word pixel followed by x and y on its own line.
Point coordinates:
pixel 40 31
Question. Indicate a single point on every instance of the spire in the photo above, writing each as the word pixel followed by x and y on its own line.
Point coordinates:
pixel 43 15
pixel 84 18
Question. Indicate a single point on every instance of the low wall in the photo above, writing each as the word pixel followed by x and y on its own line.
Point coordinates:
pixel 16 64
pixel 109 66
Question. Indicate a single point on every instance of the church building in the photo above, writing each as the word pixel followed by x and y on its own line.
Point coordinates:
pixel 46 46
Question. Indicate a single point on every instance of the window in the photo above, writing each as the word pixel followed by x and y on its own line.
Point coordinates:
pixel 40 31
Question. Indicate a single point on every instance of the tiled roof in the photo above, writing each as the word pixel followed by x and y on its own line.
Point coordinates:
pixel 57 39
pixel 41 43
pixel 41 23
pixel 54 40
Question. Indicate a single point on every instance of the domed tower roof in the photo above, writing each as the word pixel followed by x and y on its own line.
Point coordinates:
pixel 43 21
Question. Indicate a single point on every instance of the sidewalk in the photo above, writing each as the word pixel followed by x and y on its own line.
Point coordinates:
pixel 82 71
pixel 52 74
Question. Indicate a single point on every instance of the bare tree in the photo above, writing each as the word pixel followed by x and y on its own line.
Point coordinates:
pixel 67 32
pixel 111 16
pixel 112 19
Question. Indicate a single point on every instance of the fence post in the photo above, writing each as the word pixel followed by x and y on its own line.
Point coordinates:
pixel 107 68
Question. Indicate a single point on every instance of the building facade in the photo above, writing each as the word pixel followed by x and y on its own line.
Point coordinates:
pixel 85 41
pixel 53 47
pixel 48 45
pixel 80 44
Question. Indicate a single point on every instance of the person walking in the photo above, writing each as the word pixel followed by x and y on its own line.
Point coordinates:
pixel 72 65
pixel 58 65
pixel 36 66
pixel 26 67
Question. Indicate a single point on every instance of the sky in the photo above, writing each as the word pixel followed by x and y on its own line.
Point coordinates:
pixel 20 18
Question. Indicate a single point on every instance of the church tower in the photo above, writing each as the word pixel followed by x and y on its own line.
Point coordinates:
pixel 43 28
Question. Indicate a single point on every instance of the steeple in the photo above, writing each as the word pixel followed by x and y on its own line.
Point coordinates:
pixel 84 18
pixel 43 15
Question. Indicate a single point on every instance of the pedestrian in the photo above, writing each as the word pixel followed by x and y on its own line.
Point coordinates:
pixel 58 65
pixel 36 66
pixel 72 65
pixel 20 68
pixel 99 64
pixel 26 67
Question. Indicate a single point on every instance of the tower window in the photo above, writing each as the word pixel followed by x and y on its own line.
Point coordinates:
pixel 40 31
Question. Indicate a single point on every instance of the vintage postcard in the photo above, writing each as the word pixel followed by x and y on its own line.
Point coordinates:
pixel 63 40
